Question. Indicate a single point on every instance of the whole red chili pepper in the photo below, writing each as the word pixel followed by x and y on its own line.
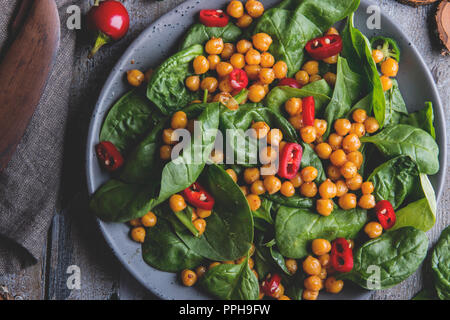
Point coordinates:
pixel 324 47
pixel 110 18
pixel 289 82
pixel 385 214
pixel 341 256
pixel 238 79
pixel 271 284
pixel 214 18
pixel 308 106
pixel 109 156
pixel 197 196
pixel 290 159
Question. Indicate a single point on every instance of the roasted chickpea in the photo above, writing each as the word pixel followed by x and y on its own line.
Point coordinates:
pixel 373 229
pixel 330 78
pixel 252 71
pixel 332 31
pixel 262 41
pixel 367 201
pixel 323 150
pixel 202 213
pixel 216 156
pixel 253 57
pixel 377 55
pixel 135 77
pixel 201 65
pixel 165 152
pixel 314 77
pixel 228 50
pixel 333 286
pixel 359 129
pixel 338 158
pixel 311 266
pixel 356 157
pixel 213 60
pixel 268 170
pixel 367 187
pixel 351 243
pixel 348 170
pixel 308 134
pixel 389 67
pixel 254 8
pixel 296 121
pixel 261 129
pixel 265 86
pixel 177 203
pixel 321 246
pixel 278 292
pixel 287 189
pixel 324 260
pixel 256 93
pixel 327 189
pixel 284 297
pixel 244 190
pixel 331 60
pixel 333 172
pixel 308 189
pixel 386 83
pixel 138 234
pixel 323 274
pixel 243 46
pixel 341 188
pixel 311 67
pixel 237 60
pixel 359 115
pixel 355 182
pixel 188 277
pixel 224 68
pixel 302 77
pixel 335 141
pixel 225 85
pixel 214 46
pixel 267 60
pixel 291 265
pixel 371 125
pixel 293 106
pixel 280 68
pixel 347 201
pixel 245 21
pixel 274 137
pixel 257 187
pixel 313 283
pixel 254 201
pixel 297 180
pixel 235 9
pixel 351 143
pixel 310 295
pixel 342 126
pixel 321 126
pixel 179 120
pixel 135 223
pixel 232 174
pixel 210 84
pixel 251 175
pixel 272 184
pixel 309 174
pixel 168 137
pixel 200 225
pixel 324 207
pixel 193 83
pixel 214 264
pixel 200 271
pixel 149 220
pixel 266 75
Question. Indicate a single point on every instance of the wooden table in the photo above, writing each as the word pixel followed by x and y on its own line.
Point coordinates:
pixel 74 238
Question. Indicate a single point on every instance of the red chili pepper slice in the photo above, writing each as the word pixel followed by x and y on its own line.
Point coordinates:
pixel 238 79
pixel 197 196
pixel 341 256
pixel 309 108
pixel 324 47
pixel 290 82
pixel 270 285
pixel 385 214
pixel 214 18
pixel 290 159
pixel 109 156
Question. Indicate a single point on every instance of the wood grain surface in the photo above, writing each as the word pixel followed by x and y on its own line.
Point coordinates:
pixel 74 238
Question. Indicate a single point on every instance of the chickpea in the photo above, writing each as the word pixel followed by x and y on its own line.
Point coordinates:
pixel 149 220
pixel 280 68
pixel 214 46
pixel 254 8
pixel 264 85
pixel 201 65
pixel 291 265
pixel 367 187
pixel 338 158
pixel 266 75
pixel 311 266
pixel 262 41
pixel 297 180
pixel 359 129
pixel 342 127
pixel 283 297
pixel 272 184
pixel 261 128
pixel 389 67
pixel 356 157
pixel 237 60
pixel 321 126
pixel 267 60
pixel 287 189
pixel 355 182
pixel 333 286
pixel 335 141
pixel 257 187
pixel 200 225
pixel 373 229
pixel 148 75
pixel 214 264
pixel 232 174
pixel 217 156
pixel 330 78
pixel 324 207
pixel 167 136
pixel 324 260
pixel 179 120
pixel 310 295
pixel 296 121
pixel 138 234
pixel 235 9
pixel 313 283
pixel 213 60
pixel 135 223
pixel 302 77
pixel 314 77
pixel 210 84
pixel 323 274
pixel 309 174
pixel 193 83
pixel 351 143
pixel 323 150
pixel 371 125
pixel 135 77
pixel 327 189
pixel 177 203
pixel 256 93
pixel 268 170
pixel 351 243
pixel 254 201
pixel 293 106
pixel 251 175
pixel 333 172
pixel 308 189
pixel 228 50
pixel 251 263
pixel 321 246
pixel 349 170
pixel 311 67
pixel 359 115
pixel 377 55
pixel 347 201
pixel 188 277
pixel 200 271
pixel 386 83
pixel 332 31
pixel 308 134
pixel 274 137
pixel 244 190
pixel 253 57
pixel 245 21
pixel 252 71
pixel 225 85
pixel 243 46
pixel 279 292
pixel 202 213
pixel 224 68
pixel 331 60
pixel 341 188
pixel 165 152
pixel 367 201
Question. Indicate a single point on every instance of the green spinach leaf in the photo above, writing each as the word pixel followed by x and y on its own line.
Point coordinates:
pixel 200 34
pixel 296 201
pixel 310 158
pixel 440 263
pixel 395 105
pixel 422 119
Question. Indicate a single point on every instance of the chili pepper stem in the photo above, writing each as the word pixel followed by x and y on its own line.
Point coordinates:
pixel 101 40
pixel 205 96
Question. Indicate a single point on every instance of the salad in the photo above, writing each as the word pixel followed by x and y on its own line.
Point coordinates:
pixel 273 156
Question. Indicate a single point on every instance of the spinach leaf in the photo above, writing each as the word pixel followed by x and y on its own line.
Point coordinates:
pixel 440 264
pixel 346 92
pixel 272 259
pixel 128 120
pixel 310 158
pixel 397 254
pixel 394 180
pixel 422 119
pixel 294 285
pixel 420 214
pixel 166 88
pixel 163 250
pixel 402 139
pixel 395 105
pixel 364 104
pixel 296 228
pixel 296 201
pixel 199 34
pixel 231 282
pixel 278 96
pixel 185 217
pixel 263 212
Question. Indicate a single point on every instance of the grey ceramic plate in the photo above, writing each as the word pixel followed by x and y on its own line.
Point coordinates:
pixel 155 44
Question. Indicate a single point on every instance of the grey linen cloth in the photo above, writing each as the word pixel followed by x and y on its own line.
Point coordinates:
pixel 29 186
